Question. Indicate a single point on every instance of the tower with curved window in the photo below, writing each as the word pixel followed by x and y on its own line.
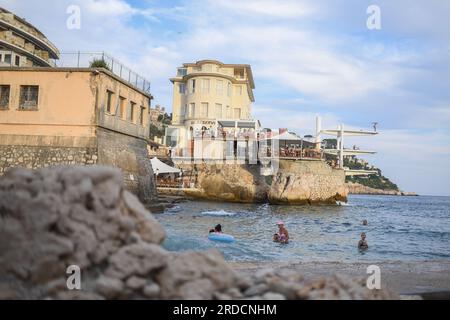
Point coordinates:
pixel 211 100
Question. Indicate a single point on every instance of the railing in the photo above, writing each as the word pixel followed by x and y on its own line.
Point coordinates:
pixel 80 59
pixel 286 153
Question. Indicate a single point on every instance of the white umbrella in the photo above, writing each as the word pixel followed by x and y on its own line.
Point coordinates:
pixel 160 167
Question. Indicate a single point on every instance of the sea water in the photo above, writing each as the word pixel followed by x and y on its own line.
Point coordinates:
pixel 399 228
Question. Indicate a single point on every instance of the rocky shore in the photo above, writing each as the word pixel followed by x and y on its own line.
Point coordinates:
pixel 356 188
pixel 294 182
pixel 57 217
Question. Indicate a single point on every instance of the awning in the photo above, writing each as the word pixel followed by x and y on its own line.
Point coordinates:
pixel 285 136
pixel 160 167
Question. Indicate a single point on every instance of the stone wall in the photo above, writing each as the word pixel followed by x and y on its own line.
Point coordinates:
pixel 298 182
pixel 107 148
pixel 129 154
pixel 35 157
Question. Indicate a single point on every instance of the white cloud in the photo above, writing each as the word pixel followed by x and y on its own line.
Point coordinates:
pixel 108 7
pixel 281 9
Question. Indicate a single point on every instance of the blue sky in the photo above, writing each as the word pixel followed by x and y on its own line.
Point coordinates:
pixel 308 57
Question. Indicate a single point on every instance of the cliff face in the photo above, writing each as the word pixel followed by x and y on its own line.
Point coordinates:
pixel 298 182
pixel 234 183
pixel 356 188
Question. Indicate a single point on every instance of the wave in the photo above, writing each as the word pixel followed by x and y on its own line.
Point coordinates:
pixel 218 213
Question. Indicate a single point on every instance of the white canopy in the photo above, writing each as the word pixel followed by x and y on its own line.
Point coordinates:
pixel 285 136
pixel 160 167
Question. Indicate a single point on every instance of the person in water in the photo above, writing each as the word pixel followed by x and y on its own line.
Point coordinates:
pixel 283 235
pixel 362 244
pixel 217 229
pixel 365 223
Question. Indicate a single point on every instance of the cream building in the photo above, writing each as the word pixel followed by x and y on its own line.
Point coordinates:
pixel 211 101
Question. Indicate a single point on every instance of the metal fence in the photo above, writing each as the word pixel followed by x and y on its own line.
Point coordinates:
pixel 81 59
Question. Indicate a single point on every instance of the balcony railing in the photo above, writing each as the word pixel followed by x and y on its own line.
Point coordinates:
pixel 81 59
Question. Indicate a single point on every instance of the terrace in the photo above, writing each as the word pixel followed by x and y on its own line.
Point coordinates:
pixel 81 59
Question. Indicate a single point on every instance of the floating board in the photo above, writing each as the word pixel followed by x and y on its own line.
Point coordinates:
pixel 222 237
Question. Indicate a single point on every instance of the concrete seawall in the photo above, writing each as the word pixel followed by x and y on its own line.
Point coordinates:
pixel 127 153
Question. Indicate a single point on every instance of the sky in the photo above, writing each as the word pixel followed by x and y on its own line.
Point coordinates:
pixel 308 57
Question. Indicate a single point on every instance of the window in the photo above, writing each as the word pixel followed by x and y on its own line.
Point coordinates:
pixel 237 113
pixel 205 86
pixel 239 73
pixel 141 116
pixel 218 110
pixel 122 107
pixel 29 96
pixel 17 61
pixel 219 87
pixel 239 90
pixel 131 112
pixel 8 58
pixel 183 111
pixel 4 96
pixel 229 89
pixel 228 115
pixel 182 88
pixel 109 96
pixel 181 72
pixel 192 110
pixel 204 110
pixel 192 86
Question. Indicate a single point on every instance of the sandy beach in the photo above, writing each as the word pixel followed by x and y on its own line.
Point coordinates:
pixel 427 278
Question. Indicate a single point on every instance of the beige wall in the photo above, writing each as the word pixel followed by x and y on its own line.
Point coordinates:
pixel 117 119
pixel 65 104
pixel 71 103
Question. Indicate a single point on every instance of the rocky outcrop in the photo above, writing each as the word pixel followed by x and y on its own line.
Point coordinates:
pixel 229 182
pixel 295 182
pixel 298 182
pixel 357 188
pixel 55 218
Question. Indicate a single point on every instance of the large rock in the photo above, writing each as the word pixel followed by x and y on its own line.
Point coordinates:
pixel 299 182
pixel 229 182
pixel 185 274
pixel 53 218
pixel 294 182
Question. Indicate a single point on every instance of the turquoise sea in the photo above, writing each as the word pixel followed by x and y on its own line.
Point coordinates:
pixel 399 228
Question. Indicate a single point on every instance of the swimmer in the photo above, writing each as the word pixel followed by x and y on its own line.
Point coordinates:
pixel 283 235
pixel 365 223
pixel 362 244
pixel 217 229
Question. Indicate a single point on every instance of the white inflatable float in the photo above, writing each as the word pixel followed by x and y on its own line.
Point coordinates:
pixel 221 237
